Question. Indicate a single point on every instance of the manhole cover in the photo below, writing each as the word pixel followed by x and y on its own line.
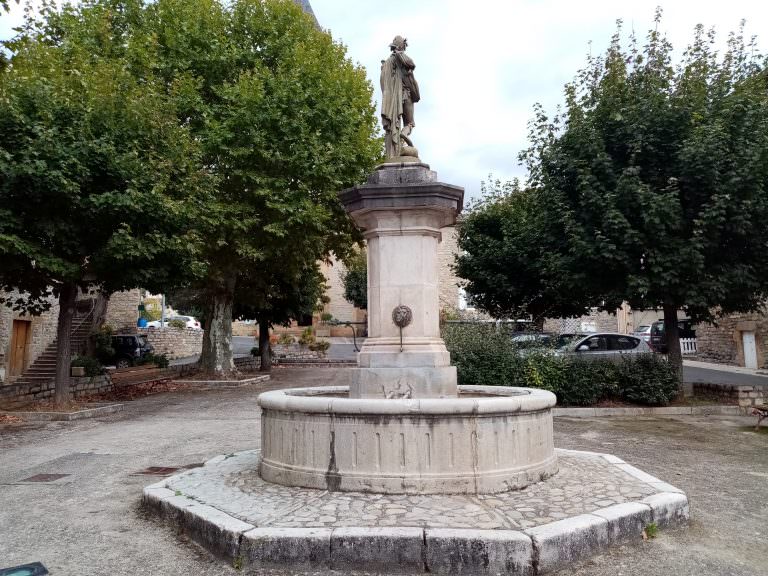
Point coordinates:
pixel 43 478
pixel 34 569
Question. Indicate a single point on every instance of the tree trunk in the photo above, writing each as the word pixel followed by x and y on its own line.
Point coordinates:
pixel 264 348
pixel 67 297
pixel 97 321
pixel 216 357
pixel 672 333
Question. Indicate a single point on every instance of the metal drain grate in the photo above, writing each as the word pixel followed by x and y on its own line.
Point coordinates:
pixel 157 471
pixel 165 470
pixel 44 477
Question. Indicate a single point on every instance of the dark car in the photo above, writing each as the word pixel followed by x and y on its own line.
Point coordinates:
pixel 130 349
pixel 658 340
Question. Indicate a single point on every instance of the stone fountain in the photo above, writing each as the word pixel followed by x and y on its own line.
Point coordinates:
pixel 403 425
pixel 326 489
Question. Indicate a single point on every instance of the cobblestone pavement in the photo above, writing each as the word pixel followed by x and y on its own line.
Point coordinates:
pixel 583 484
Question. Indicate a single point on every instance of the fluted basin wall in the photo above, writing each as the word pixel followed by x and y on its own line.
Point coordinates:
pixel 489 439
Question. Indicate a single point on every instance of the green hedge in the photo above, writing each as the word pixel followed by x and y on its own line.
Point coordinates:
pixel 485 355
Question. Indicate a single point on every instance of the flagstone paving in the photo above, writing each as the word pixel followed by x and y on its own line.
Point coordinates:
pixel 583 484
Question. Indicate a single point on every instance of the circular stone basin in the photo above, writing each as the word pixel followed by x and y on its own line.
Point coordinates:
pixel 489 439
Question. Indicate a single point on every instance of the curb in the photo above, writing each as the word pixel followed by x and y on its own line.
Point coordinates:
pixel 212 384
pixel 529 552
pixel 67 416
pixel 650 411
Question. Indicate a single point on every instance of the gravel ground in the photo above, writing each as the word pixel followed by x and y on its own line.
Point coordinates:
pixel 90 523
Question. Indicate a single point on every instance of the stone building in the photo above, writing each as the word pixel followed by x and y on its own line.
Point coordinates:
pixel 123 310
pixel 23 338
pixel 739 339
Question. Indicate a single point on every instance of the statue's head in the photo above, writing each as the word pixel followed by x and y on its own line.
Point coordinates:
pixel 399 43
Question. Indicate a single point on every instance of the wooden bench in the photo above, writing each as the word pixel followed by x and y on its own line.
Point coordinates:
pixel 138 375
pixel 761 411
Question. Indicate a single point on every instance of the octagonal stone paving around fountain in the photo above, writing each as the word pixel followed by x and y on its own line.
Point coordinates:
pixel 596 500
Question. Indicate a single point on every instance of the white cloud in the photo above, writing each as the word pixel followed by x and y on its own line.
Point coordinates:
pixel 482 65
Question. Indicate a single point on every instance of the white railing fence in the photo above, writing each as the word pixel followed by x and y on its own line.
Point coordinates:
pixel 688 345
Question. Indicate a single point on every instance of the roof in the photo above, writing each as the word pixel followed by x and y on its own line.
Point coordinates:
pixel 307 7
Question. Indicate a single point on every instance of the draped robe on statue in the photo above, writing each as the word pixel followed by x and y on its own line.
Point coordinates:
pixel 399 91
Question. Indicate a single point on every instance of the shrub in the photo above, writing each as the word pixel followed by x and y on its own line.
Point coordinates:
pixel 159 360
pixel 648 379
pixel 485 355
pixel 92 366
pixel 286 339
pixel 177 323
pixel 319 346
pixel 307 337
pixel 102 343
pixel 586 382
pixel 326 317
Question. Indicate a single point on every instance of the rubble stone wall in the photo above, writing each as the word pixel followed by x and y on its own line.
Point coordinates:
pixel 174 342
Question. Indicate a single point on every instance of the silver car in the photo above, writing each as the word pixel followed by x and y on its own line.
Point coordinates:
pixel 643 332
pixel 605 345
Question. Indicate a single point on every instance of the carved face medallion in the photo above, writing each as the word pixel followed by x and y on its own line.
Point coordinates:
pixel 402 316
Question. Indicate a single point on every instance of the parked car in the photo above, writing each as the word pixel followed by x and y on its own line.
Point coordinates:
pixel 658 340
pixel 130 349
pixel 190 321
pixel 643 332
pixel 605 345
pixel 542 342
pixel 533 339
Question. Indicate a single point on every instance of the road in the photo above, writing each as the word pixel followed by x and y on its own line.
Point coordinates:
pixel 709 376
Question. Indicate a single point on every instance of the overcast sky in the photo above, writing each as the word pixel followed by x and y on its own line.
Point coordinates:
pixel 482 64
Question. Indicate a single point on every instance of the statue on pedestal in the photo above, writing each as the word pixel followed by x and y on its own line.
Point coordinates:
pixel 400 92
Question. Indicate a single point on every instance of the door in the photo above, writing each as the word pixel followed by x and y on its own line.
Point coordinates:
pixel 750 349
pixel 19 347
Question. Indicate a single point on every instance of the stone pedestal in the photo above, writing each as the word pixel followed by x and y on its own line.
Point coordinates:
pixel 403 426
pixel 401 210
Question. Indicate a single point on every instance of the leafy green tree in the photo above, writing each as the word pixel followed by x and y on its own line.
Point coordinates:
pixel 514 256
pixel 355 280
pixel 277 298
pixel 285 120
pixel 658 174
pixel 89 155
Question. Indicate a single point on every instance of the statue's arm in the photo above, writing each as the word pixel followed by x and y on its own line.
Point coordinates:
pixel 405 60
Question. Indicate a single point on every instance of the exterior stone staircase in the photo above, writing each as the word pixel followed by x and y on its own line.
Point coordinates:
pixel 43 369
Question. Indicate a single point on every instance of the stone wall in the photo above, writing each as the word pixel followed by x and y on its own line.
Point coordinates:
pixel 295 352
pixel 123 310
pixel 722 342
pixel 17 395
pixel 746 396
pixel 337 306
pixel 448 282
pixel 174 342
pixel 42 333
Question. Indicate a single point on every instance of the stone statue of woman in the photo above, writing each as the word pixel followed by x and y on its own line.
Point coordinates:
pixel 400 92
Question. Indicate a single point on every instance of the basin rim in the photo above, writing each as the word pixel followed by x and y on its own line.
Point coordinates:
pixel 493 400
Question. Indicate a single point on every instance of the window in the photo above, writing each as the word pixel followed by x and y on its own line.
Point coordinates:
pixel 596 344
pixel 623 342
